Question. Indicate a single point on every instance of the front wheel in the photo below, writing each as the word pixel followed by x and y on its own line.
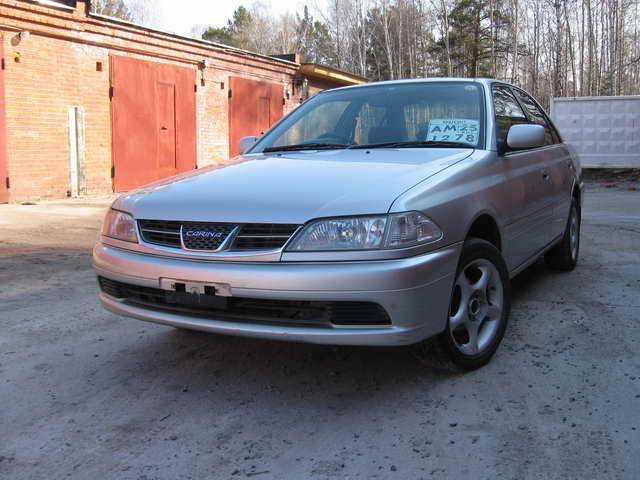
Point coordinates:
pixel 480 304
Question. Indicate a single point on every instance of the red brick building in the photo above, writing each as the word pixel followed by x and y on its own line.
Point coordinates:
pixel 92 105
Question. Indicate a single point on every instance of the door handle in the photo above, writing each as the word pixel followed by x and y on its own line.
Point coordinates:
pixel 164 128
pixel 545 175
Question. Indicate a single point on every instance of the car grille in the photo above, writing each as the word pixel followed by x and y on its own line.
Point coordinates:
pixel 159 232
pixel 273 312
pixel 201 236
pixel 205 236
pixel 263 236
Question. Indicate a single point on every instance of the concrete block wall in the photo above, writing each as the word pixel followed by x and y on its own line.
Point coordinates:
pixel 605 131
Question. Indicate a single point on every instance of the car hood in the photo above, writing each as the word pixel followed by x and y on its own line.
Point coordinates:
pixel 291 187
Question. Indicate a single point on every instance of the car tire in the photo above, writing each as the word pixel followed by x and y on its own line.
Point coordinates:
pixel 564 256
pixel 479 307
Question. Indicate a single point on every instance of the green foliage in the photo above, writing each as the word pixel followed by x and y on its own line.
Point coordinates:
pixel 377 61
pixel 398 41
pixel 473 35
pixel 550 47
pixel 233 33
pixel 313 39
pixel 218 35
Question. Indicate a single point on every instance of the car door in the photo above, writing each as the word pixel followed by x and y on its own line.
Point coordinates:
pixel 557 164
pixel 526 189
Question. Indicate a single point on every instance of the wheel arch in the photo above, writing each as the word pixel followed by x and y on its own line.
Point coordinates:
pixel 577 195
pixel 485 227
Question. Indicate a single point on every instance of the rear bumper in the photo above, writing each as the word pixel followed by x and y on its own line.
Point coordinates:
pixel 414 292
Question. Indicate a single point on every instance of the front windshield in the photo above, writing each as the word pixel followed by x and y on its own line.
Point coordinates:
pixel 402 114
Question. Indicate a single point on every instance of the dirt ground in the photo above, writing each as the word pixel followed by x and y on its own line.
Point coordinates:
pixel 86 394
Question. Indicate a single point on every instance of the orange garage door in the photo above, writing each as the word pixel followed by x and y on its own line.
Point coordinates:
pixel 153 112
pixel 254 107
pixel 4 175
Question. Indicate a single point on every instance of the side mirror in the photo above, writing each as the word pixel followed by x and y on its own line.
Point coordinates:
pixel 246 143
pixel 525 136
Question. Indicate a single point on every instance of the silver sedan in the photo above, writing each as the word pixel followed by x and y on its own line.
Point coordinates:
pixel 381 214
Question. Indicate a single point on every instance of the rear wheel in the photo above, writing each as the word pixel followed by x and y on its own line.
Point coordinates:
pixel 480 304
pixel 564 256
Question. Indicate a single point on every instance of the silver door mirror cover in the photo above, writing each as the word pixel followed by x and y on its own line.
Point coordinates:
pixel 525 136
pixel 246 143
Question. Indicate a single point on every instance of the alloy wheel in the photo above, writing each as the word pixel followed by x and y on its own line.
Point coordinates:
pixel 476 307
pixel 574 232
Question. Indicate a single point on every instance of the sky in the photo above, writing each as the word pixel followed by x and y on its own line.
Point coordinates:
pixel 180 16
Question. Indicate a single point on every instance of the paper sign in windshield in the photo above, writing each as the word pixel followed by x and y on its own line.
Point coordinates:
pixel 454 130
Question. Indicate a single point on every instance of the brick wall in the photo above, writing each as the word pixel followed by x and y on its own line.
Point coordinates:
pixel 55 68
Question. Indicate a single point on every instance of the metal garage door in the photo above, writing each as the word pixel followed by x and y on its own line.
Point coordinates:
pixel 4 175
pixel 254 107
pixel 153 121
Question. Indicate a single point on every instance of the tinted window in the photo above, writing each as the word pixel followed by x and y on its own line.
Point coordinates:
pixel 407 112
pixel 537 116
pixel 508 113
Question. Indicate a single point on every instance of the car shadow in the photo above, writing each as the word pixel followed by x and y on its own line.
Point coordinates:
pixel 202 362
pixel 530 279
pixel 201 359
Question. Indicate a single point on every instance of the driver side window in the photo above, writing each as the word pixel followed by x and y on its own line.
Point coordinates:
pixel 508 113
pixel 538 117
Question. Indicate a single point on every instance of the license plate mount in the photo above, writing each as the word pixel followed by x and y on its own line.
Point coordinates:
pixel 195 288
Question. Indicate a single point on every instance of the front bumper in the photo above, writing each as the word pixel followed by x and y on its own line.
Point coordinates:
pixel 414 291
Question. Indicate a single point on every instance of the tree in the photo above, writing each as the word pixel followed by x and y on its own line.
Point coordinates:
pixel 313 39
pixel 549 47
pixel 477 38
pixel 112 8
pixel 285 38
pixel 444 32
pixel 142 11
pixel 137 11
pixel 233 33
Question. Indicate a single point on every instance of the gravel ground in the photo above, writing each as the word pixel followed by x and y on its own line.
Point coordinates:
pixel 86 394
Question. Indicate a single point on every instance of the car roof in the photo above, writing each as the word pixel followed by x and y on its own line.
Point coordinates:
pixel 480 80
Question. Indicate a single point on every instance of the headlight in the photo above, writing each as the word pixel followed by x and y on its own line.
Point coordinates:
pixel 357 233
pixel 412 228
pixel 367 233
pixel 120 225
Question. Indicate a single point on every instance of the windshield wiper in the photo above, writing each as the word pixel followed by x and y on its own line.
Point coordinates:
pixel 305 146
pixel 335 146
pixel 414 144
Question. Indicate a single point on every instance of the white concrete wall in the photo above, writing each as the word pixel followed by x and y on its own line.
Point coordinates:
pixel 604 130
